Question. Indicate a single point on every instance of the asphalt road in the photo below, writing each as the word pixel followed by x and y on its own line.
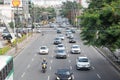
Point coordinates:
pixel 27 65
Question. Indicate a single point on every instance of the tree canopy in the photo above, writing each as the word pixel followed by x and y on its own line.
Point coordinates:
pixel 100 24
pixel 70 9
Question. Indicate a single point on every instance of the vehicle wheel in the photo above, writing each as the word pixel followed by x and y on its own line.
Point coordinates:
pixel 77 68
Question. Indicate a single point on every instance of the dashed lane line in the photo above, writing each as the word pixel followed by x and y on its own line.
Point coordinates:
pixel 73 77
pixel 48 77
pixel 35 55
pixel 23 75
pixel 93 67
pixel 32 59
pixel 69 61
pixel 51 61
pixel 50 67
pixel 70 67
pixel 98 76
pixel 28 66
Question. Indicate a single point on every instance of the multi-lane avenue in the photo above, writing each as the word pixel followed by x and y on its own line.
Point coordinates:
pixel 27 65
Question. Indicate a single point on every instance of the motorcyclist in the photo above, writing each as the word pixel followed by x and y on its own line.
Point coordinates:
pixel 44 64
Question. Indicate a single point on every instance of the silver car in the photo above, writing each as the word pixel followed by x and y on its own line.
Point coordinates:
pixel 60 46
pixel 60 53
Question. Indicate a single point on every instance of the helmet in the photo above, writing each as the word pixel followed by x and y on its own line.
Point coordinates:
pixel 44 59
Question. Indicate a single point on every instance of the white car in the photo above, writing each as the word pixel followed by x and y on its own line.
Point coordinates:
pixel 61 36
pixel 75 49
pixel 60 46
pixel 83 63
pixel 38 31
pixel 44 50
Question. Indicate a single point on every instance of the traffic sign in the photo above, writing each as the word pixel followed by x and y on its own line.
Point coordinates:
pixel 15 3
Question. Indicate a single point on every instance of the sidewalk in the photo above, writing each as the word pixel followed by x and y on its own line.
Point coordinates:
pixel 109 56
pixel 21 45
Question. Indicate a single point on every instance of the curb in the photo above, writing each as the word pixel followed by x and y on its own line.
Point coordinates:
pixel 111 62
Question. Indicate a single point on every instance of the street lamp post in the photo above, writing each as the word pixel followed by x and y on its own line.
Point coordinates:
pixel 16 4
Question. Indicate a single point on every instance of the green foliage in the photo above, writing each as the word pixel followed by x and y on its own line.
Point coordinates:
pixel 11 24
pixel 4 50
pixel 101 24
pixel 36 12
pixel 69 10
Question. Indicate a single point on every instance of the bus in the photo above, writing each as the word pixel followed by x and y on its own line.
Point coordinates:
pixel 6 67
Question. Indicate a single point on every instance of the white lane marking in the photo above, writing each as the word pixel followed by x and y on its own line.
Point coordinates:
pixel 71 67
pixel 98 76
pixel 35 55
pixel 23 75
pixel 68 55
pixel 52 56
pixel 50 67
pixel 69 61
pixel 32 59
pixel 73 77
pixel 28 66
pixel 51 61
pixel 93 67
pixel 48 77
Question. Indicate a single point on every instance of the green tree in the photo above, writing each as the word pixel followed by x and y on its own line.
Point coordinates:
pixel 101 24
pixel 70 10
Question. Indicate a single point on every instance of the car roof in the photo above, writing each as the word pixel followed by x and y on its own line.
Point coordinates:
pixel 75 45
pixel 43 46
pixel 81 57
pixel 60 44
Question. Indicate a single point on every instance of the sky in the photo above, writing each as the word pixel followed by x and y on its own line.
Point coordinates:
pixel 54 2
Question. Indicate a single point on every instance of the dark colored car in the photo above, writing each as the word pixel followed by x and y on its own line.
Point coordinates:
pixel 72 40
pixel 59 31
pixel 73 30
pixel 63 74
pixel 7 37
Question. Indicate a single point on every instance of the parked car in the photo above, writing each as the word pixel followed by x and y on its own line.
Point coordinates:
pixel 44 50
pixel 75 49
pixel 64 74
pixel 57 41
pixel 82 63
pixel 7 37
pixel 61 53
pixel 38 31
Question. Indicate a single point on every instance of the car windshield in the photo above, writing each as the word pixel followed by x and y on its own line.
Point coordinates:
pixel 75 47
pixel 57 38
pixel 64 72
pixel 83 60
pixel 60 45
pixel 60 35
pixel 43 47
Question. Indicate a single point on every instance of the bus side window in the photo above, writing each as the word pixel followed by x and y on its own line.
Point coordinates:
pixel 0 75
pixel 6 70
pixel 4 74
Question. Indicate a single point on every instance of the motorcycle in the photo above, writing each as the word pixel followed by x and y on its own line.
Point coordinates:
pixel 44 67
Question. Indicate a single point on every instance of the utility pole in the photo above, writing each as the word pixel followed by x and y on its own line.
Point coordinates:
pixel 16 4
